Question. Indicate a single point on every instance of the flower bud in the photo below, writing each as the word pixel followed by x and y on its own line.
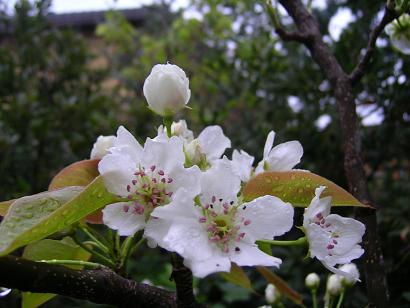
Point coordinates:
pixel 272 294
pixel 399 33
pixel 312 281
pixel 334 285
pixel 180 128
pixel 101 146
pixel 166 89
pixel 353 272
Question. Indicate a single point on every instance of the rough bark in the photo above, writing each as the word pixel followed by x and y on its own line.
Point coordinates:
pixel 100 286
pixel 342 85
pixel 183 282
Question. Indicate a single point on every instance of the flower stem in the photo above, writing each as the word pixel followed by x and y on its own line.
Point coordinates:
pixel 97 255
pixel 340 301
pixel 167 123
pixel 95 239
pixel 299 241
pixel 314 298
pixel 87 264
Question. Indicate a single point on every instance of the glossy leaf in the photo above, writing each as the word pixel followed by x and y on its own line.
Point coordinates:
pixel 80 173
pixel 280 284
pixel 48 249
pixel 237 276
pixel 298 188
pixel 4 207
pixel 35 218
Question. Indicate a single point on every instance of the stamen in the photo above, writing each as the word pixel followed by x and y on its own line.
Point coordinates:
pixel 246 222
pixel 161 172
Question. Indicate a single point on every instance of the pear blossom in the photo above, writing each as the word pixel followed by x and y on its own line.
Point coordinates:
pixel 272 294
pixel 101 146
pixel 145 177
pixel 312 281
pixel 282 157
pixel 216 228
pixel 333 239
pixel 354 276
pixel 242 164
pixel 399 33
pixel 204 150
pixel 166 89
pixel 334 285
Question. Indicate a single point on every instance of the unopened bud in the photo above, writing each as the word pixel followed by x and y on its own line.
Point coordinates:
pixel 312 281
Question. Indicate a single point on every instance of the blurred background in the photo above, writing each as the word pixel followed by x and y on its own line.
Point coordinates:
pixel 73 70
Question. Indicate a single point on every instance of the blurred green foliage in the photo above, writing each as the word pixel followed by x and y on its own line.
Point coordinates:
pixel 242 77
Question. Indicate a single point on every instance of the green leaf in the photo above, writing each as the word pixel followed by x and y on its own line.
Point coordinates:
pixel 238 277
pixel 80 173
pixel 281 285
pixel 48 249
pixel 35 217
pixel 4 206
pixel 298 188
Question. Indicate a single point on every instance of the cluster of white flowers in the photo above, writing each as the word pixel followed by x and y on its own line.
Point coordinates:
pixel 186 195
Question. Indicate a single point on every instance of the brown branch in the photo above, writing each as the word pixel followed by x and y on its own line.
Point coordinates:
pixel 296 36
pixel 360 69
pixel 183 281
pixel 100 286
pixel 353 164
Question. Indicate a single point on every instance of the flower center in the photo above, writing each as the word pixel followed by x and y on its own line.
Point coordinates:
pixel 149 189
pixel 219 218
pixel 331 244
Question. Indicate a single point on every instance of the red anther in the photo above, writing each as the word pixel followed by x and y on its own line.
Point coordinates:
pixel 169 180
pixel 128 188
pixel 126 208
pixel 330 246
pixel 134 182
pixel 202 219
pixel 161 172
pixel 152 167
pixel 213 199
pixel 163 180
pixel 246 222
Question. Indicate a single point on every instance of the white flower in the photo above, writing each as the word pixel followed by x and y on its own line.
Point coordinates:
pixel 242 164
pixel 282 157
pixel 167 89
pixel 145 177
pixel 272 294
pixel 333 239
pixel 179 129
pixel 334 285
pixel 312 281
pixel 101 146
pixel 353 272
pixel 399 32
pixel 217 229
pixel 205 150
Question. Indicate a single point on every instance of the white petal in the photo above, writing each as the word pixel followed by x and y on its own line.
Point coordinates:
pixel 181 208
pixel 318 239
pixel 339 272
pixel 213 142
pixel 220 181
pixel 242 164
pixel 349 230
pixel 268 144
pixel 317 206
pixel 269 216
pixel 125 143
pixel 251 255
pixel 217 263
pixel 284 156
pixel 118 172
pixel 101 147
pixel 189 240
pixel 155 231
pixel 165 155
pixel 187 178
pixel 127 222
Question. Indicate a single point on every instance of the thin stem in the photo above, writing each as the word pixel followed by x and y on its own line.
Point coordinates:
pixel 314 298
pixel 298 242
pixel 95 239
pixel 91 265
pixel 167 123
pixel 97 255
pixel 340 301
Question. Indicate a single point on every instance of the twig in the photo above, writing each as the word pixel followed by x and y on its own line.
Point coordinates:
pixel 360 69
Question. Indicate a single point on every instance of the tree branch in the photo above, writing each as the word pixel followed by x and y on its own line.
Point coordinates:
pixel 296 36
pixel 183 281
pixel 100 286
pixel 360 69
pixel 353 164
